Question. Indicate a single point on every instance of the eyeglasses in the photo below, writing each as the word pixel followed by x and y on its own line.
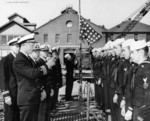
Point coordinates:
pixel 31 44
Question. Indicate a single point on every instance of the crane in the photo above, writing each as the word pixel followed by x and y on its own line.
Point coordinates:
pixel 142 11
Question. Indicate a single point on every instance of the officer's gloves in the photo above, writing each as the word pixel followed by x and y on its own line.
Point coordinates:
pixel 128 115
pixel 52 93
pixel 115 98
pixel 140 119
pixel 122 104
pixel 8 100
pixel 51 62
pixel 99 81
pixel 123 111
pixel 43 95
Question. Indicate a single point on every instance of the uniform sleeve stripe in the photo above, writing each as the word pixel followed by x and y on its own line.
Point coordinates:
pixel 5 92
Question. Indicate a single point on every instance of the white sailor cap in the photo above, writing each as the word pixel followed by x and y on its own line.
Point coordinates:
pixel 13 41
pixel 94 50
pixel 44 48
pixel 67 55
pixel 27 39
pixel 128 42
pixel 112 44
pixel 55 48
pixel 99 49
pixel 119 41
pixel 138 45
pixel 109 44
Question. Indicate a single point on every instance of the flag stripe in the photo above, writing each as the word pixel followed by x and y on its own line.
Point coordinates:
pixel 87 32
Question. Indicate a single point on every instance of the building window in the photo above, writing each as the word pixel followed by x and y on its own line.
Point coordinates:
pixel 69 23
pixel 10 37
pixel 16 36
pixel 45 38
pixel 3 53
pixel 57 38
pixel 69 38
pixel 4 39
pixel 136 37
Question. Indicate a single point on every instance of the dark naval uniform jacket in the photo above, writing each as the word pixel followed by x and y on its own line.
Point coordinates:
pixel 8 78
pixel 45 81
pixel 28 93
pixel 9 87
pixel 141 95
pixel 142 85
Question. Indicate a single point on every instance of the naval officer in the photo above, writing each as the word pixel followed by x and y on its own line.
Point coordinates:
pixel 28 97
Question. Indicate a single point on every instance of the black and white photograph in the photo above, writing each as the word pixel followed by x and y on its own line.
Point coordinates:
pixel 74 60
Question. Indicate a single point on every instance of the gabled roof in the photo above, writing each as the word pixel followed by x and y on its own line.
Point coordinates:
pixel 139 27
pixel 47 23
pixel 99 29
pixel 69 9
pixel 16 14
pixel 13 22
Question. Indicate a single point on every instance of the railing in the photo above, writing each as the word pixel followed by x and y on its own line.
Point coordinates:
pixel 89 110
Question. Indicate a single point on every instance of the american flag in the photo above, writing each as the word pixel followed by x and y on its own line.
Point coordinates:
pixel 87 32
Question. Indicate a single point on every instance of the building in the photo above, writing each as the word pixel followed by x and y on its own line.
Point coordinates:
pixel 63 31
pixel 140 31
pixel 16 26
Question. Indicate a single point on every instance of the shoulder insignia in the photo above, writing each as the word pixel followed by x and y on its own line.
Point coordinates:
pixel 145 85
pixel 125 69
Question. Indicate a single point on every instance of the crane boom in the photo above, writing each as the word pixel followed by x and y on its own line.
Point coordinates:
pixel 137 18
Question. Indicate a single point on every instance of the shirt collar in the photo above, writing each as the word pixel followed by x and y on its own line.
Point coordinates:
pixel 12 53
pixel 44 59
pixel 24 54
pixel 32 58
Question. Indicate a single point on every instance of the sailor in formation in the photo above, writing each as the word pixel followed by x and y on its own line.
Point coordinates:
pixel 122 75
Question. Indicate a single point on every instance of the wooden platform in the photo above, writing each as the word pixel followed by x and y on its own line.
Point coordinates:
pixel 69 111
pixel 75 111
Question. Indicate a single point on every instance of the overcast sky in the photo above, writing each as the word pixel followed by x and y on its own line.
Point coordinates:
pixel 102 12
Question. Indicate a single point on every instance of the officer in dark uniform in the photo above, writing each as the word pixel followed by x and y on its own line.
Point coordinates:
pixel 11 111
pixel 28 97
pixel 34 58
pixel 70 65
pixel 46 85
pixel 35 54
pixel 57 81
pixel 140 81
